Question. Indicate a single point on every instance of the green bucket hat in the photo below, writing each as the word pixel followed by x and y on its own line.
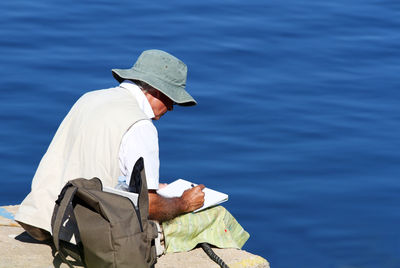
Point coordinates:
pixel 162 71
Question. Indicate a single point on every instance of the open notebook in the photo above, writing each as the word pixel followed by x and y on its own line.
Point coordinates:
pixel 176 189
pixel 132 196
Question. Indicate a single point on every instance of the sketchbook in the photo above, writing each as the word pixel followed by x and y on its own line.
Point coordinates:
pixel 132 196
pixel 176 189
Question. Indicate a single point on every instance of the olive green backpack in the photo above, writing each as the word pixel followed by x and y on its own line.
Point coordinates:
pixel 110 230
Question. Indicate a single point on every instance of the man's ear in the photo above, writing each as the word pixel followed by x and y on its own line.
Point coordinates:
pixel 154 92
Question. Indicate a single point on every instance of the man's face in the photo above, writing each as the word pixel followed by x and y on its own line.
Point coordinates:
pixel 159 102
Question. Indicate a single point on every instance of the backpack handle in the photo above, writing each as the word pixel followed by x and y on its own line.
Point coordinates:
pixel 66 196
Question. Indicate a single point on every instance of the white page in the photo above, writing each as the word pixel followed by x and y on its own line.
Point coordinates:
pixel 132 196
pixel 176 189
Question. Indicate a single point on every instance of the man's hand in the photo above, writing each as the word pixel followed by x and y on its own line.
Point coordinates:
pixel 162 185
pixel 193 198
pixel 163 209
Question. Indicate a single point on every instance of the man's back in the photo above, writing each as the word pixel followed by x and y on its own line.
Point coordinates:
pixel 85 145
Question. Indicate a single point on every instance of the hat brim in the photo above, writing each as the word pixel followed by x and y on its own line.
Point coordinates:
pixel 176 93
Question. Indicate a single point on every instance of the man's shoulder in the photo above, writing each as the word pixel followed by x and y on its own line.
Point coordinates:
pixel 108 96
pixel 145 123
pixel 113 103
pixel 106 91
pixel 143 128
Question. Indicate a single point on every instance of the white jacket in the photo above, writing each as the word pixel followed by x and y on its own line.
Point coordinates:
pixel 86 145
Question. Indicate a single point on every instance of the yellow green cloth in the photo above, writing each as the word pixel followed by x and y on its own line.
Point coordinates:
pixel 215 226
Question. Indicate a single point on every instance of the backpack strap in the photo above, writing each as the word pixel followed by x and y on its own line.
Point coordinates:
pixel 65 197
pixel 139 183
pixel 139 175
pixel 135 183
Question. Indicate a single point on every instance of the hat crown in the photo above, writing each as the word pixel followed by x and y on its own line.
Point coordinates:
pixel 162 65
pixel 162 71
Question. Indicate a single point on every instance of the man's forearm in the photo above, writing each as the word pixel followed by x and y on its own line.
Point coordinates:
pixel 163 209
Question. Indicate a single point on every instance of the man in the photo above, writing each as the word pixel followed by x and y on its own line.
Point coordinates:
pixel 103 135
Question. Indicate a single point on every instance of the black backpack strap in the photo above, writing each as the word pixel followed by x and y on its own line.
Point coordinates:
pixel 135 183
pixel 65 197
pixel 139 175
pixel 138 178
pixel 135 186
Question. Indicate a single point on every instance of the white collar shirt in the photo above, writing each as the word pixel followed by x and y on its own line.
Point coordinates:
pixel 141 140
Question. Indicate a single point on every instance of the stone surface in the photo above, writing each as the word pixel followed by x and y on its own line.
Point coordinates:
pixel 234 258
pixel 18 249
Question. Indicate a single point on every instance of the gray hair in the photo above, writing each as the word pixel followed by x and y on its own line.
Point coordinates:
pixel 144 86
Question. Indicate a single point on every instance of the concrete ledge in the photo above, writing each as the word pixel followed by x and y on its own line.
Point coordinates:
pixel 18 249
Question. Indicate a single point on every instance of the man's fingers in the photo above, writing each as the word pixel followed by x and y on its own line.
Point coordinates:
pixel 194 197
pixel 201 186
pixel 162 185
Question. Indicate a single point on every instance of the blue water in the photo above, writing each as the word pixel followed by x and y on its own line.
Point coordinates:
pixel 298 115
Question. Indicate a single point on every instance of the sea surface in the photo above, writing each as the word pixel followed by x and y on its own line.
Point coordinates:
pixel 298 117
